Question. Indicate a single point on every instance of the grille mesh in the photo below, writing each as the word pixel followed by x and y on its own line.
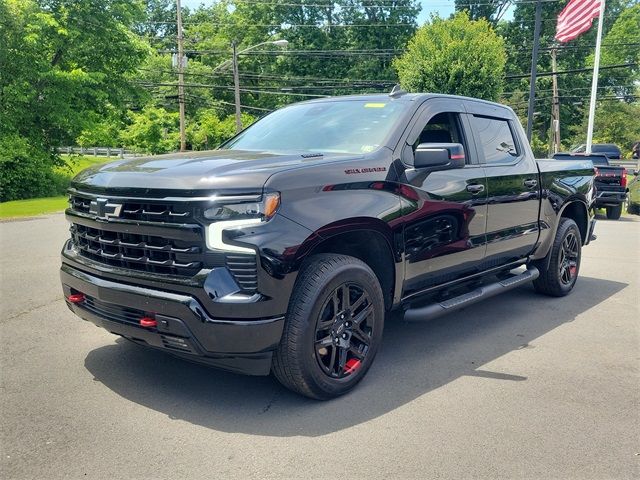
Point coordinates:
pixel 173 249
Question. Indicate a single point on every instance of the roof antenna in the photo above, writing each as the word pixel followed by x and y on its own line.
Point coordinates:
pixel 397 91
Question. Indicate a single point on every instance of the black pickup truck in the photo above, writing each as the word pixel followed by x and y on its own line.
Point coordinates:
pixel 283 250
pixel 610 182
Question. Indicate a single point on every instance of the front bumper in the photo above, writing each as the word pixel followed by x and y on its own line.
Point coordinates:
pixel 183 328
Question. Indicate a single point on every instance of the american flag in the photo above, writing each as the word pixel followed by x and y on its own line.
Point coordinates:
pixel 576 18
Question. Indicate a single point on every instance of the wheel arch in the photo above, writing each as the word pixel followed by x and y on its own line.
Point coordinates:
pixel 370 241
pixel 577 211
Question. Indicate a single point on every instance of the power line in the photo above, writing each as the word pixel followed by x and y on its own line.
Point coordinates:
pixel 225 87
pixel 576 70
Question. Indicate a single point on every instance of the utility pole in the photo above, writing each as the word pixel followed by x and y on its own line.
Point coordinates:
pixel 534 69
pixel 555 108
pixel 183 140
pixel 236 87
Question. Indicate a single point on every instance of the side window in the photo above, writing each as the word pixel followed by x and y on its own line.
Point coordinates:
pixel 495 138
pixel 443 128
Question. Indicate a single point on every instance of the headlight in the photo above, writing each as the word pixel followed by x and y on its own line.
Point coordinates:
pixel 262 211
pixel 226 217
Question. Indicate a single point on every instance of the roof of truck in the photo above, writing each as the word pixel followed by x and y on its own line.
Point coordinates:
pixel 402 97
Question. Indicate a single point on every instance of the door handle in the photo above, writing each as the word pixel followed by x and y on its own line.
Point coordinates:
pixel 475 188
pixel 530 183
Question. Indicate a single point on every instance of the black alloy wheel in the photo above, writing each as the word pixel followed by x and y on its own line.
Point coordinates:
pixel 344 331
pixel 568 261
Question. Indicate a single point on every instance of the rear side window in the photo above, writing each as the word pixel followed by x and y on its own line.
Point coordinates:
pixel 495 138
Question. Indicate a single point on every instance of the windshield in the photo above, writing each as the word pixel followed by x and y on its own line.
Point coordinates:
pixel 348 126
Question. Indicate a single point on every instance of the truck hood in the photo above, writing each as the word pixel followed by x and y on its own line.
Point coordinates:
pixel 194 172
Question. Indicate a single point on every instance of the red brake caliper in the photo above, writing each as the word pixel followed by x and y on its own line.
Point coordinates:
pixel 352 365
pixel 572 270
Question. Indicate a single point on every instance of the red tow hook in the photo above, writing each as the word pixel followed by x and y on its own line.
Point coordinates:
pixel 76 298
pixel 148 322
pixel 352 365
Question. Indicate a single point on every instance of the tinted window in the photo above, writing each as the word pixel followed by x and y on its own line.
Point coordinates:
pixel 606 148
pixel 348 126
pixel 442 128
pixel 495 138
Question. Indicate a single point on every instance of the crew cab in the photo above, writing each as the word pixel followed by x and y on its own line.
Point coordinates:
pixel 283 250
pixel 610 183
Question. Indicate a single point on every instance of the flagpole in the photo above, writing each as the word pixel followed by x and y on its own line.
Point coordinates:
pixel 594 82
pixel 534 70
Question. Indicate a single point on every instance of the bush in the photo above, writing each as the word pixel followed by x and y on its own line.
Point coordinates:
pixel 27 172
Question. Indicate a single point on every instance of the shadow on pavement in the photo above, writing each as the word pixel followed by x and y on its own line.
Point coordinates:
pixel 415 359
pixel 623 218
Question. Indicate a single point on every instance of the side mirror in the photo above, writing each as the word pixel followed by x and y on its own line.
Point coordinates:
pixel 439 156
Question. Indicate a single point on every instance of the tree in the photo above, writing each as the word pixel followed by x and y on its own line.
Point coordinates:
pixel 622 42
pixel 65 65
pixel 574 88
pixel 491 10
pixel 210 130
pixel 153 130
pixel 615 122
pixel 455 56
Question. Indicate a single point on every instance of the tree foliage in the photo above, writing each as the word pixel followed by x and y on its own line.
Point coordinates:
pixel 64 63
pixel 574 88
pixel 99 73
pixel 456 56
pixel 615 122
pixel 491 10
pixel 622 47
pixel 153 130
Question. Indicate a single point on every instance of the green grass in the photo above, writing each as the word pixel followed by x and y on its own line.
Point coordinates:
pixel 77 163
pixel 32 207
pixel 40 206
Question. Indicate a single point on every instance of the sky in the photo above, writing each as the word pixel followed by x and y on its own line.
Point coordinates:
pixel 442 7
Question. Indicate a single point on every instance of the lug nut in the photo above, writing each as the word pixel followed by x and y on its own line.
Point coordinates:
pixel 342 317
pixel 344 335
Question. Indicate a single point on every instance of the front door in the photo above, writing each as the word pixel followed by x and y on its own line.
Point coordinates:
pixel 444 212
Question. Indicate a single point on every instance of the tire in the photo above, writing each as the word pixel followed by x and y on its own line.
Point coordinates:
pixel 323 354
pixel 560 275
pixel 613 213
pixel 633 208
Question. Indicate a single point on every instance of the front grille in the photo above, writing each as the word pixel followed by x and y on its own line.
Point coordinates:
pixel 142 252
pixel 154 237
pixel 156 211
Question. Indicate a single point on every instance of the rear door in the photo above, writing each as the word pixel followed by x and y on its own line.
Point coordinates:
pixel 513 190
pixel 444 212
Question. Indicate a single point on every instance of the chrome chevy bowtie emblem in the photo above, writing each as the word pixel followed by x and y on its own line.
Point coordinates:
pixel 104 209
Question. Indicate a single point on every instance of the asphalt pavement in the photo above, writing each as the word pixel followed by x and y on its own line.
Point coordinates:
pixel 520 386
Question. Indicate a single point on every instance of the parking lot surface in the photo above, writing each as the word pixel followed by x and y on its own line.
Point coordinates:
pixel 520 386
